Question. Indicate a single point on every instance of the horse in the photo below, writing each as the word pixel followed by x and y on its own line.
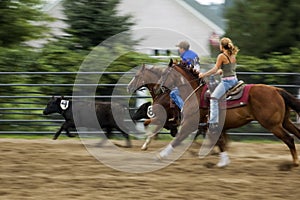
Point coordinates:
pixel 268 105
pixel 161 99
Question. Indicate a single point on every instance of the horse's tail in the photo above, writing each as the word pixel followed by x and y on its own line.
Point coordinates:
pixel 290 100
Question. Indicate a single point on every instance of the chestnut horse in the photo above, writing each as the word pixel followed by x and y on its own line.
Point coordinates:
pixel 268 105
pixel 148 76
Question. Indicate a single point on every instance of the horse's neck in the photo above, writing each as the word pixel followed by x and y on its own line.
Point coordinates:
pixel 194 83
pixel 152 75
pixel 151 88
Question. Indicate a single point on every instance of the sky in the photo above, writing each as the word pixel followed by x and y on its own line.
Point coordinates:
pixel 207 2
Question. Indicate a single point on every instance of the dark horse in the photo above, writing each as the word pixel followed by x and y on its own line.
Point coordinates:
pixel 148 76
pixel 268 105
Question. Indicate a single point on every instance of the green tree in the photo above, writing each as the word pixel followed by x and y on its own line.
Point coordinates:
pixel 262 27
pixel 93 21
pixel 21 21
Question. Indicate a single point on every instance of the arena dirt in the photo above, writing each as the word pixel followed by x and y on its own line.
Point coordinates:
pixel 44 169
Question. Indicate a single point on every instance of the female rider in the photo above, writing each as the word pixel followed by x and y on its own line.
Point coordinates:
pixel 225 65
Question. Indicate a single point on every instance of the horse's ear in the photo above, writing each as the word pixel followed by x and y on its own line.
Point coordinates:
pixel 171 63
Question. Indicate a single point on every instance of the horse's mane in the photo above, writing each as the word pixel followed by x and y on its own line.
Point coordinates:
pixel 188 69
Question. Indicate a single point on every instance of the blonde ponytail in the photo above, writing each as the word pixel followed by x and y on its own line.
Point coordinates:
pixel 229 46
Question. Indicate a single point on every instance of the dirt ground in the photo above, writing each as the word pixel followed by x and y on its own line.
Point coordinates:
pixel 44 169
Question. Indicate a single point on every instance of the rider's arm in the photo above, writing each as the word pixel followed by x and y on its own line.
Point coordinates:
pixel 215 69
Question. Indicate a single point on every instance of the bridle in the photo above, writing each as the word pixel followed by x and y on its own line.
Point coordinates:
pixel 140 79
pixel 166 74
pixel 164 78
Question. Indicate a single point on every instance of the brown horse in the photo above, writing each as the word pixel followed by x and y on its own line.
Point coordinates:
pixel 268 105
pixel 148 76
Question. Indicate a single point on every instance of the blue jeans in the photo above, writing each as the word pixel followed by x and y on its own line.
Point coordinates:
pixel 220 90
pixel 175 96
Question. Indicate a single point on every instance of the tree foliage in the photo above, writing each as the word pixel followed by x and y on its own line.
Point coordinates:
pixel 21 21
pixel 93 21
pixel 262 27
pixel 276 62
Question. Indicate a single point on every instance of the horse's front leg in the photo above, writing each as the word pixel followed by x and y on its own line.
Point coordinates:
pixel 189 125
pixel 147 142
pixel 151 134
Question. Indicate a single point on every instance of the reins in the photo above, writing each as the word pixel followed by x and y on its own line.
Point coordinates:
pixel 190 95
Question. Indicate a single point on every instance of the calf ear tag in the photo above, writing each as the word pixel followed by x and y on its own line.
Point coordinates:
pixel 64 104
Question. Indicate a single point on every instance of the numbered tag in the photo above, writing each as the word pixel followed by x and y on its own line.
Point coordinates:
pixel 150 112
pixel 64 104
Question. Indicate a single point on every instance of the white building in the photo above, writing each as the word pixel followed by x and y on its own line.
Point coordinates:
pixel 161 23
pixel 164 23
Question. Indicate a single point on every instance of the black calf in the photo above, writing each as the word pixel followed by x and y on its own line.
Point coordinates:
pixel 104 114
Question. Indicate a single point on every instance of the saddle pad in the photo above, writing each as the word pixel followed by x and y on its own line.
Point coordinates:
pixel 243 100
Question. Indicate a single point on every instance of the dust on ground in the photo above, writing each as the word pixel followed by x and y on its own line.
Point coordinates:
pixel 43 169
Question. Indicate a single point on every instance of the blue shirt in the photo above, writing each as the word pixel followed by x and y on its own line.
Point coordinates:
pixel 190 57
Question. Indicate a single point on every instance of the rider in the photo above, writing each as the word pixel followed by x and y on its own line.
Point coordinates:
pixel 192 59
pixel 225 65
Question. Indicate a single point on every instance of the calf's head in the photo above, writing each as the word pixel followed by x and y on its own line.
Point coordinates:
pixel 55 105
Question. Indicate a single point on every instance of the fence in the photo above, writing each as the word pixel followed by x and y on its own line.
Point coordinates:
pixel 21 109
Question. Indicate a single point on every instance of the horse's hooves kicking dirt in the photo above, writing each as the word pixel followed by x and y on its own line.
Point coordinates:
pixel 209 165
pixel 286 166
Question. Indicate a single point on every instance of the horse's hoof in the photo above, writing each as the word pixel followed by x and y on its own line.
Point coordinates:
pixel 54 138
pixel 144 148
pixel 224 160
pixel 223 163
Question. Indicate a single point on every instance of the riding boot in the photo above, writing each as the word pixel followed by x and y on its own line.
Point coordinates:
pixel 214 116
pixel 214 111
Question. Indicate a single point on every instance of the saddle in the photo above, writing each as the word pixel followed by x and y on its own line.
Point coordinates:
pixel 236 92
pixel 235 97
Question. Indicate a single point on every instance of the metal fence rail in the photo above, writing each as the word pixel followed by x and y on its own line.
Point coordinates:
pixel 29 112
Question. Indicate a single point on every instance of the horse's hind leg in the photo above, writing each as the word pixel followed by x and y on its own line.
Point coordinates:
pixel 289 126
pixel 280 132
pixel 222 141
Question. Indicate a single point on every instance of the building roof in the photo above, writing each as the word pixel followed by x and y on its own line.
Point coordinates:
pixel 213 12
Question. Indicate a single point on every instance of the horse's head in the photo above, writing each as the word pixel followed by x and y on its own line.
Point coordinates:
pixel 178 74
pixel 144 77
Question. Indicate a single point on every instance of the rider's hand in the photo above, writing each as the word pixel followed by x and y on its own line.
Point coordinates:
pixel 219 72
pixel 201 75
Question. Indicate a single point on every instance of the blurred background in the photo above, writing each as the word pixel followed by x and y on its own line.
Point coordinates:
pixel 44 42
